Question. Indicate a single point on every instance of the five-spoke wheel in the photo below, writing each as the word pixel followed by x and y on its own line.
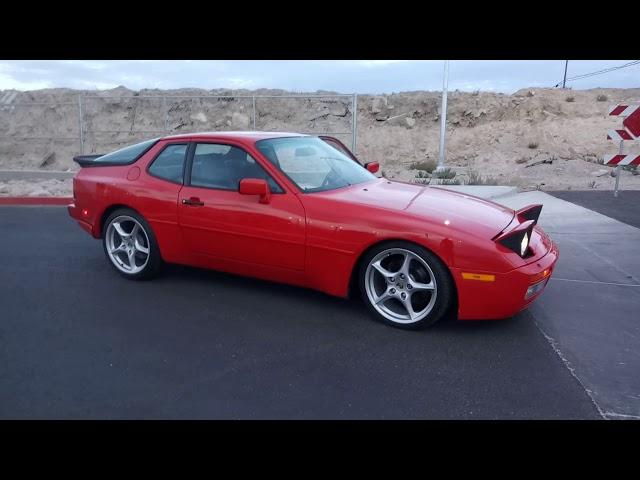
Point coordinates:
pixel 405 285
pixel 130 245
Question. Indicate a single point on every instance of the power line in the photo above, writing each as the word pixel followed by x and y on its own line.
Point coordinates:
pixel 606 70
pixel 600 72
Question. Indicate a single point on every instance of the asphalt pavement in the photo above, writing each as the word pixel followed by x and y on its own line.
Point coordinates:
pixel 78 341
pixel 589 311
pixel 624 208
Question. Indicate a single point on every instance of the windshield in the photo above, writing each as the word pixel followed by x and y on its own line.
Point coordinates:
pixel 313 165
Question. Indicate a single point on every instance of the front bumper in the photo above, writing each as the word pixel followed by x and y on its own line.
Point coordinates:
pixel 502 295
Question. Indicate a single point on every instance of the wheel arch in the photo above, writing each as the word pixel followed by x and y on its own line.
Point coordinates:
pixel 108 211
pixel 353 279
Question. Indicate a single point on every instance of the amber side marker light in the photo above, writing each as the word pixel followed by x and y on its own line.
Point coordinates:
pixel 539 276
pixel 538 282
pixel 482 277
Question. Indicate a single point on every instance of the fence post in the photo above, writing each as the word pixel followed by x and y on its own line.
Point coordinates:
pixel 354 123
pixel 618 169
pixel 80 124
pixel 166 113
pixel 253 98
pixel 443 116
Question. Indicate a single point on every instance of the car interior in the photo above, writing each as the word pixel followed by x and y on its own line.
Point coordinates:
pixel 217 168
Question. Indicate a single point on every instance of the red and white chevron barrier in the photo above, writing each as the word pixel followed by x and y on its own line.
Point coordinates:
pixel 622 159
pixel 631 122
pixel 631 131
pixel 623 109
pixel 619 135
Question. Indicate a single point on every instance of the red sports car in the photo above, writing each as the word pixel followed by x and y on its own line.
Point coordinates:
pixel 302 210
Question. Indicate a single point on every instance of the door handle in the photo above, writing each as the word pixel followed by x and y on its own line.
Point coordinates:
pixel 193 201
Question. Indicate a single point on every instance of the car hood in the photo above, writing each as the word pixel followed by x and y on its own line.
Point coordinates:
pixel 458 211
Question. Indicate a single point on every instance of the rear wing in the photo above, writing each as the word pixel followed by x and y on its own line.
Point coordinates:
pixel 88 160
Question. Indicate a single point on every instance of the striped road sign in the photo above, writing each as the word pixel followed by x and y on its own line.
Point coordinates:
pixel 631 131
pixel 622 159
pixel 623 109
pixel 631 122
pixel 619 135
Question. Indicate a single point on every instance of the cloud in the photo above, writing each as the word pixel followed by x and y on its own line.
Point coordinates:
pixel 342 76
pixel 96 85
pixel 377 63
pixel 238 82
pixel 7 82
pixel 88 64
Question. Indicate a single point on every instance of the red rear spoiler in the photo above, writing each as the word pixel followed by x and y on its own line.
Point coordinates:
pixel 86 160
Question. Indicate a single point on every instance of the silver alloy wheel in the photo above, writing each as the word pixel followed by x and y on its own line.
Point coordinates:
pixel 127 244
pixel 400 285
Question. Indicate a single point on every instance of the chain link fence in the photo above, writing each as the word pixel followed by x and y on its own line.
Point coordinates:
pixel 49 134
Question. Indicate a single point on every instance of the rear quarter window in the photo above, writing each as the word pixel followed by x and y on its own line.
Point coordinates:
pixel 169 164
pixel 127 154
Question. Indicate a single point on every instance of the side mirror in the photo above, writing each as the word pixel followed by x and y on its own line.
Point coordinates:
pixel 255 186
pixel 373 167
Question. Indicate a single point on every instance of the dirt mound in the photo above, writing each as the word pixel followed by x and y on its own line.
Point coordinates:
pixel 488 135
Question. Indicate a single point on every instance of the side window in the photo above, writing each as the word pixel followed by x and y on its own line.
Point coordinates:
pixel 169 164
pixel 223 166
pixel 338 146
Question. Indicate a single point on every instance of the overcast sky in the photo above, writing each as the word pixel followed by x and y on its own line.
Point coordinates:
pixel 344 76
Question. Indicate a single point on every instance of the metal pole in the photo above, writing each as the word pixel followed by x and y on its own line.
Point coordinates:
pixel 166 114
pixel 354 122
pixel 564 80
pixel 254 112
pixel 80 122
pixel 618 169
pixel 443 114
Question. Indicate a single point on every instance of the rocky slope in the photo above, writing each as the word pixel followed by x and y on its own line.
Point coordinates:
pixel 491 136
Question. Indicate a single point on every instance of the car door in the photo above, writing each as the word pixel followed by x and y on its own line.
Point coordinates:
pixel 219 222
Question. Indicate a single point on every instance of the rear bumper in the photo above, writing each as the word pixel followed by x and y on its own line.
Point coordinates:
pixel 505 295
pixel 76 214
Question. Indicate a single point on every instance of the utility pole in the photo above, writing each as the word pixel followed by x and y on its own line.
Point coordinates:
pixel 443 114
pixel 564 80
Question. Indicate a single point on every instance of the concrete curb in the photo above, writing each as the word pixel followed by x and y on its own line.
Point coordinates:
pixel 35 200
pixel 31 175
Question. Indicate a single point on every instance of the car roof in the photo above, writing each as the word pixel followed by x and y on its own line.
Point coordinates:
pixel 249 135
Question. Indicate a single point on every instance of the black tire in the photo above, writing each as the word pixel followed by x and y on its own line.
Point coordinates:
pixel 154 261
pixel 445 288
